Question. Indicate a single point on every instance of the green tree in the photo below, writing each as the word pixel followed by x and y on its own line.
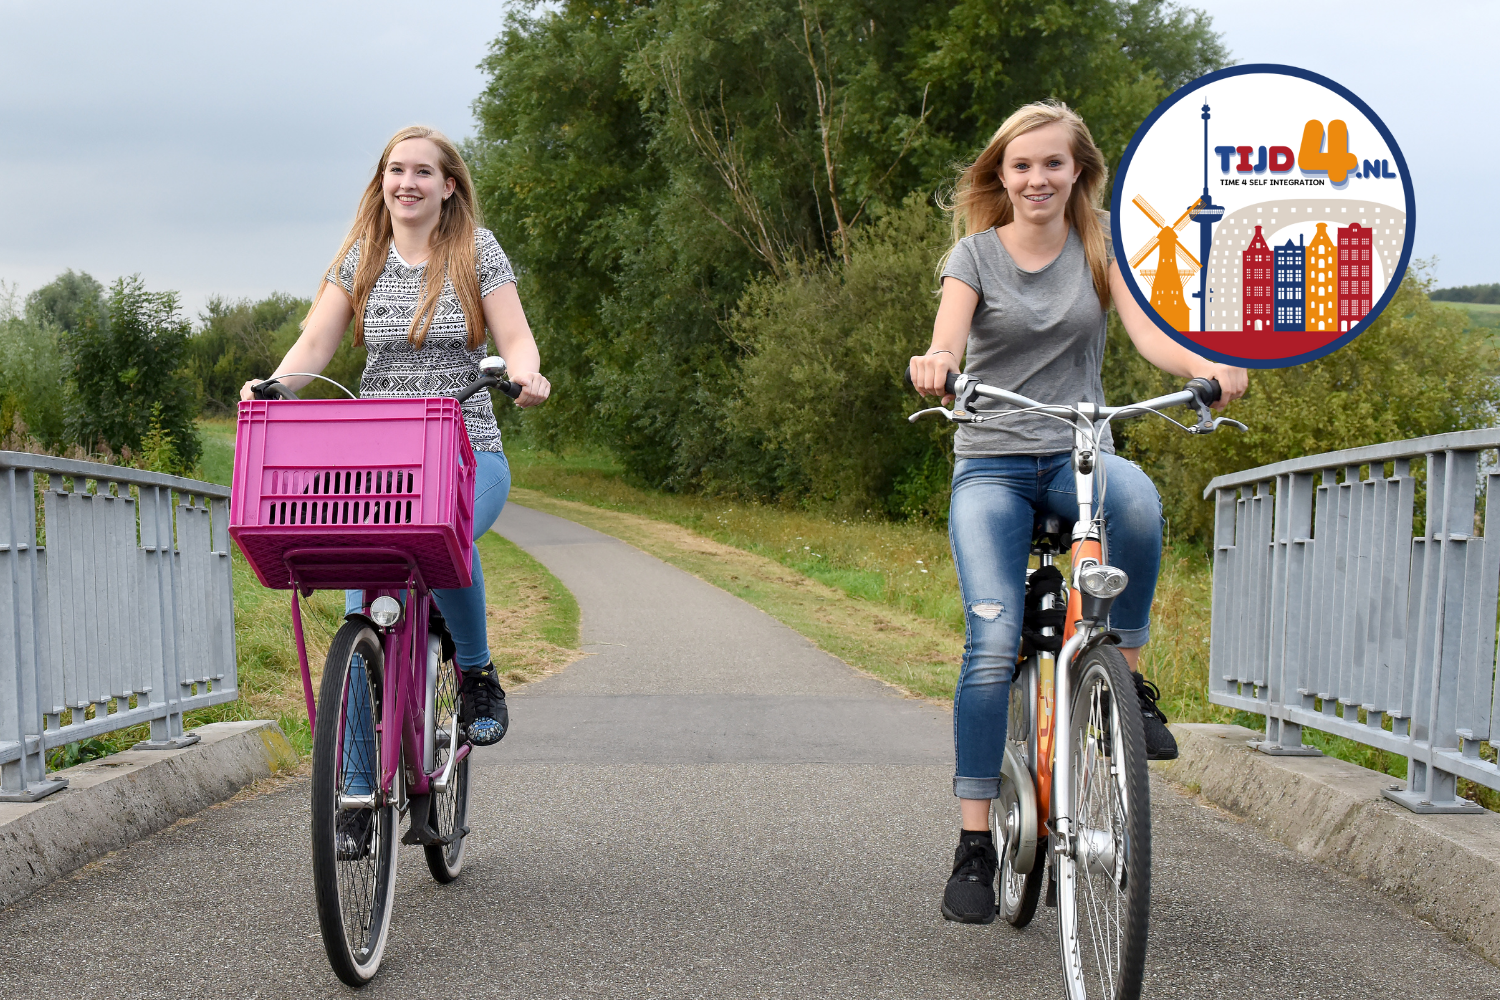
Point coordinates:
pixel 32 376
pixel 820 386
pixel 66 301
pixel 125 364
pixel 644 164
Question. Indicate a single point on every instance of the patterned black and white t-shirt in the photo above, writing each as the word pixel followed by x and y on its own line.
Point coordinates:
pixel 445 364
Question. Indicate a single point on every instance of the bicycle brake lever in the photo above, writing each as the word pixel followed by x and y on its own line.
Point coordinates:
pixel 953 417
pixel 1208 423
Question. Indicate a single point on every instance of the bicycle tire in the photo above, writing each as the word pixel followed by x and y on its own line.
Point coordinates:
pixel 1104 883
pixel 354 861
pixel 450 809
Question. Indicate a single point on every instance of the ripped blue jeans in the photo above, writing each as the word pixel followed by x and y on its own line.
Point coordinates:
pixel 995 502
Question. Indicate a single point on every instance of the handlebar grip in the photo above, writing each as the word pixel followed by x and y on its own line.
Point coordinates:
pixel 1206 389
pixel 271 389
pixel 511 389
pixel 948 385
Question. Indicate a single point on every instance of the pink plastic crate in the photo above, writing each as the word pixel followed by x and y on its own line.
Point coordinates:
pixel 341 483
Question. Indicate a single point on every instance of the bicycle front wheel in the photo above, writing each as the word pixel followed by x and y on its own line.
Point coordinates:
pixel 353 828
pixel 450 807
pixel 1104 880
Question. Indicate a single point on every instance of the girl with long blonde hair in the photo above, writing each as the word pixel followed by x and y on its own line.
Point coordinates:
pixel 1026 288
pixel 423 284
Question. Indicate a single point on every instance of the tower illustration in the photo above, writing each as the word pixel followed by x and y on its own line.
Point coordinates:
pixel 1167 278
pixel 1205 215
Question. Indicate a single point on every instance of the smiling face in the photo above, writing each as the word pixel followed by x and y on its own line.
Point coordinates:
pixel 414 185
pixel 1038 172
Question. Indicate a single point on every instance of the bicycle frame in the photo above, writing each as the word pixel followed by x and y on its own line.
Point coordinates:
pixel 408 690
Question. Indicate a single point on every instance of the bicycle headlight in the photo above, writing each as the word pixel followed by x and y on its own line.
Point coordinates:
pixel 386 611
pixel 1103 582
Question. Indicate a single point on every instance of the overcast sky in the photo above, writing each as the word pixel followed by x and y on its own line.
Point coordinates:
pixel 220 148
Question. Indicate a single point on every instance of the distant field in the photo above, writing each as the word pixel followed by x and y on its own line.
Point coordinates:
pixel 1481 314
pixel 1475 307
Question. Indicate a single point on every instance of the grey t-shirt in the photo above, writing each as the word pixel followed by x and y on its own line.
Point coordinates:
pixel 1039 333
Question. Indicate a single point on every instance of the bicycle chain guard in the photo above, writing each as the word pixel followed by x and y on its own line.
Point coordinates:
pixel 1016 812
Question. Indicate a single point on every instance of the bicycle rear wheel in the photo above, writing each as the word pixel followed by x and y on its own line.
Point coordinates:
pixel 1104 882
pixel 353 829
pixel 450 807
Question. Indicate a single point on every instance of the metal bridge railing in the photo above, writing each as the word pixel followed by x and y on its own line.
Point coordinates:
pixel 107 619
pixel 1327 606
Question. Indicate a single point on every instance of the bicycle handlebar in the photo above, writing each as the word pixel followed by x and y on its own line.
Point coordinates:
pixel 1199 392
pixel 495 376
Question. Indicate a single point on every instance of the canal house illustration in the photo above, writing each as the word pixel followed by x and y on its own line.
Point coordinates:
pixel 1322 293
pixel 1354 274
pixel 1290 285
pixel 1258 284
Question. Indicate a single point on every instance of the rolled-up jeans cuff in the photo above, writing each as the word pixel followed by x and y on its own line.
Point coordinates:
pixel 1133 638
pixel 976 788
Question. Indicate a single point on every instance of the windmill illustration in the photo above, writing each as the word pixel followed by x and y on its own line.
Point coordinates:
pixel 1167 278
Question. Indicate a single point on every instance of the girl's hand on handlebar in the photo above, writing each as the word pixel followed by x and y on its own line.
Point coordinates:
pixel 929 374
pixel 245 392
pixel 534 389
pixel 1232 382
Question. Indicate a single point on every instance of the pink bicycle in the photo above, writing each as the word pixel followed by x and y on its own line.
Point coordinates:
pixel 374 495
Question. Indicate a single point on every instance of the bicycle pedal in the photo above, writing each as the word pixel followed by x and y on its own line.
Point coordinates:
pixel 1051 887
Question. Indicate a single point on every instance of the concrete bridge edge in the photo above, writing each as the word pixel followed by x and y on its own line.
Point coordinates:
pixel 116 800
pixel 1444 869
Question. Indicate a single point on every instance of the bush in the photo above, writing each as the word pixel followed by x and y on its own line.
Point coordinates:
pixel 125 365
pixel 1418 370
pixel 245 339
pixel 820 384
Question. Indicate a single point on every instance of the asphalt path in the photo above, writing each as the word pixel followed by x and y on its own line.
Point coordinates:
pixel 705 806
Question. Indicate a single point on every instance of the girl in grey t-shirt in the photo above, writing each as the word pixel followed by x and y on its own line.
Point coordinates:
pixel 423 284
pixel 1025 292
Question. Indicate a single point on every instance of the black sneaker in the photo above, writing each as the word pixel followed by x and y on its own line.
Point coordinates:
pixel 1160 743
pixel 483 713
pixel 970 895
pixel 354 834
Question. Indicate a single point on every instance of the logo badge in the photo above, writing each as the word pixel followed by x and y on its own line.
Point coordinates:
pixel 1263 216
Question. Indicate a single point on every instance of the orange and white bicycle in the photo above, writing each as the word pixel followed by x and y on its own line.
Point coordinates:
pixel 1074 785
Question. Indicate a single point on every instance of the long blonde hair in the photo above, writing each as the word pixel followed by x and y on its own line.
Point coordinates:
pixel 451 243
pixel 980 200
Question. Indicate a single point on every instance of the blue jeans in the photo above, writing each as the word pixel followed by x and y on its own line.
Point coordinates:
pixel 462 607
pixel 995 502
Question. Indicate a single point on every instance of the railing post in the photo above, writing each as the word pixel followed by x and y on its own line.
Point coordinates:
pixel 1289 619
pixel 1430 788
pixel 21 643
pixel 166 729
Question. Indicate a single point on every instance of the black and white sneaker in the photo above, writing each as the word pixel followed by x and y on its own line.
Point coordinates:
pixel 1160 743
pixel 970 894
pixel 482 712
